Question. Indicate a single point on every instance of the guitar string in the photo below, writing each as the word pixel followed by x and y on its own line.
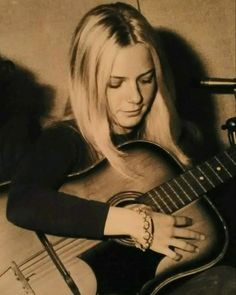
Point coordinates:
pixel 219 170
pixel 187 186
pixel 230 158
pixel 38 253
pixel 42 268
pixel 72 259
pixel 202 174
pixel 41 258
pixel 214 172
pixel 47 267
pixel 174 192
pixel 222 165
pixel 206 177
pixel 66 257
pixel 164 202
pixel 191 186
pixel 153 201
pixel 167 195
pixel 45 252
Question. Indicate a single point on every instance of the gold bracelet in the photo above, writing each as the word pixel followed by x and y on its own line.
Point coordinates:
pixel 148 228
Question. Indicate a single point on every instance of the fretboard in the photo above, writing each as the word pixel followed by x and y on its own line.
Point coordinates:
pixel 195 182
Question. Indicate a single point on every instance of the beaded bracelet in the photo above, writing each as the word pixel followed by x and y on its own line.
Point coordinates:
pixel 148 228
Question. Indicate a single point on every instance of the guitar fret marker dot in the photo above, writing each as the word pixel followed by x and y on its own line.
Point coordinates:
pixel 218 168
pixel 201 178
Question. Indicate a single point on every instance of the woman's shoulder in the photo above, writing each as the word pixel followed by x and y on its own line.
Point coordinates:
pixel 65 136
pixel 62 137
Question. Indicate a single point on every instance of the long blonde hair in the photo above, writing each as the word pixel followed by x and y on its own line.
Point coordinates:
pixel 101 33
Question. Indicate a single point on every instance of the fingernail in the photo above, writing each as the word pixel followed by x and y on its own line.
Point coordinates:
pixel 178 257
pixel 196 250
pixel 202 237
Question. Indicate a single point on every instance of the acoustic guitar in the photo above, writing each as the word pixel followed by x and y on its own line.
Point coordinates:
pixel 162 184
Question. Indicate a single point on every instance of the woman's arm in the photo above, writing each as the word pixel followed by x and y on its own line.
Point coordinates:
pixel 35 203
pixel 167 230
pixel 34 200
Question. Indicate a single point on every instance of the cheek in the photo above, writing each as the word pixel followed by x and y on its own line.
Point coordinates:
pixel 149 92
pixel 114 99
pixel 113 104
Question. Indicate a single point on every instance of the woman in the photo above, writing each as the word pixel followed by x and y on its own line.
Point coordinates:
pixel 120 89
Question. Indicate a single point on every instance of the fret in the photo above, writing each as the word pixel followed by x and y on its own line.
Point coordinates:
pixel 188 186
pixel 169 198
pixel 177 191
pixel 144 199
pixel 183 176
pixel 182 191
pixel 206 176
pixel 177 197
pixel 231 162
pixel 185 185
pixel 214 173
pixel 222 165
pixel 227 158
pixel 219 169
pixel 198 180
pixel 154 201
pixel 162 199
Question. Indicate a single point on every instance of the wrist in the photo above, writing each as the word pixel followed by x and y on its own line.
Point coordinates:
pixel 146 231
pixel 123 221
pixel 136 223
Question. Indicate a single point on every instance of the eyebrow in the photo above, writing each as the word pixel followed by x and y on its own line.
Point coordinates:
pixel 141 75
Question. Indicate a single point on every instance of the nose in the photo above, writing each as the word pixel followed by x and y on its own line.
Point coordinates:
pixel 134 95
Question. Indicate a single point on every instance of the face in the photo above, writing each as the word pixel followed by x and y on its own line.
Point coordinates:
pixel 131 88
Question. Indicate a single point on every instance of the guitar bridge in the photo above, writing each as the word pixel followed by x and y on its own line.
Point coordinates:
pixel 20 277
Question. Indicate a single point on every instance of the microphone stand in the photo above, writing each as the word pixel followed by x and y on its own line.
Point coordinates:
pixel 227 86
pixel 230 126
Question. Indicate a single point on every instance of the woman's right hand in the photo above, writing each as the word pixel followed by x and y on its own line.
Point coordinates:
pixel 169 231
pixel 172 231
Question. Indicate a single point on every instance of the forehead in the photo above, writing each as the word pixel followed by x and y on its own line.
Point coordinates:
pixel 132 60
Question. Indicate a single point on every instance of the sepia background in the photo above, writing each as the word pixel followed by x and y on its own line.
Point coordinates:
pixel 199 36
pixel 199 40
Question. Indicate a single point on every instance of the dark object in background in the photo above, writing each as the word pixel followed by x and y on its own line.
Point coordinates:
pixel 23 103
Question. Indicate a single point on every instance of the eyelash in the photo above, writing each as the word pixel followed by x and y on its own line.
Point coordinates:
pixel 114 86
pixel 149 80
pixel 144 81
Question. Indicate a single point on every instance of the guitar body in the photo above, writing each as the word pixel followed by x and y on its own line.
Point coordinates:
pixel 153 166
pixel 109 264
pixel 25 267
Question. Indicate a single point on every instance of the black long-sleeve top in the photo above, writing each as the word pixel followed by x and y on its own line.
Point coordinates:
pixel 34 200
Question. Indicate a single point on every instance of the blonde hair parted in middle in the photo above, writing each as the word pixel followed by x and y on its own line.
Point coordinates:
pixel 101 33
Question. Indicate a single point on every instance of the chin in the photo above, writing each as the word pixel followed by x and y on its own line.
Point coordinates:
pixel 131 125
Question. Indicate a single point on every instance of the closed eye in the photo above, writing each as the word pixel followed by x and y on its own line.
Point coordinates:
pixel 114 85
pixel 115 82
pixel 148 78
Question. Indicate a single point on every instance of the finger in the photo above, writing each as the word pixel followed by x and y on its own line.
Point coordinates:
pixel 182 221
pixel 183 245
pixel 187 233
pixel 172 254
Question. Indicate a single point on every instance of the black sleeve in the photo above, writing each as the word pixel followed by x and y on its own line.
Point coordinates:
pixel 34 201
pixel 16 136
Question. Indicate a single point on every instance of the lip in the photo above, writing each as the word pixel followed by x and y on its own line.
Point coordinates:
pixel 133 112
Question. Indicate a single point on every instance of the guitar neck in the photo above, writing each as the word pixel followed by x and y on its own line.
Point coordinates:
pixel 190 185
